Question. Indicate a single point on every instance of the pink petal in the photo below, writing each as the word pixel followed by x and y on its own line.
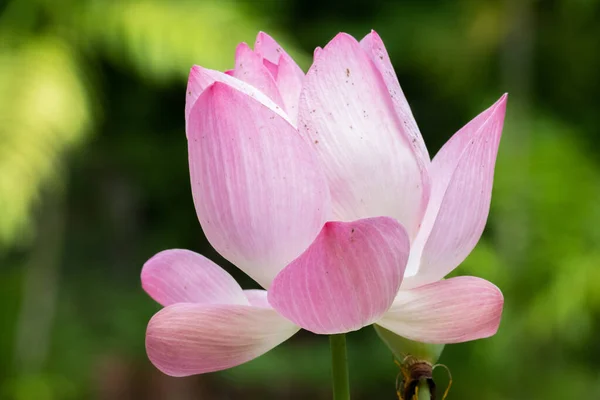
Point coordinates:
pixel 288 75
pixel 249 68
pixel 259 191
pixel 462 175
pixel 347 113
pixel 182 276
pixel 317 53
pixel 289 81
pixel 375 48
pixel 269 49
pixel 272 68
pixel 201 78
pixel 450 311
pixel 186 339
pixel 346 279
pixel 257 298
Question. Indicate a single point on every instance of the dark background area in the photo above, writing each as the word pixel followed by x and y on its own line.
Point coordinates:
pixel 94 181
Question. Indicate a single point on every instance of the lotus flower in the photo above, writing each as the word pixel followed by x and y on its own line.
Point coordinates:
pixel 321 189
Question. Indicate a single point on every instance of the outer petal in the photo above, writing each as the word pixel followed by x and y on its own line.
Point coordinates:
pixel 186 339
pixel 346 279
pixel 201 78
pixel 462 174
pixel 249 68
pixel 182 276
pixel 375 48
pixel 346 111
pixel 450 311
pixel 289 76
pixel 258 189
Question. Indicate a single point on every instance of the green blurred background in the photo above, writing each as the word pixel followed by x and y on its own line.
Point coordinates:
pixel 94 181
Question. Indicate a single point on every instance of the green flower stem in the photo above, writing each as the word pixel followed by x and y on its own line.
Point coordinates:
pixel 339 366
pixel 424 393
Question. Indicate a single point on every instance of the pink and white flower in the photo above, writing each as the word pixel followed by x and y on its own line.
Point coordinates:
pixel 321 189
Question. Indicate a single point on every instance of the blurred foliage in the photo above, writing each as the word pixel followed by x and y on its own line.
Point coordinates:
pixel 45 110
pixel 93 181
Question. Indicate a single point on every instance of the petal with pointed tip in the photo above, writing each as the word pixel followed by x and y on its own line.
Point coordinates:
pixel 346 279
pixel 346 111
pixel 187 339
pixel 182 276
pixel 462 174
pixel 201 78
pixel 288 74
pixel 259 190
pixel 249 67
pixel 375 49
pixel 449 311
pixel 268 48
